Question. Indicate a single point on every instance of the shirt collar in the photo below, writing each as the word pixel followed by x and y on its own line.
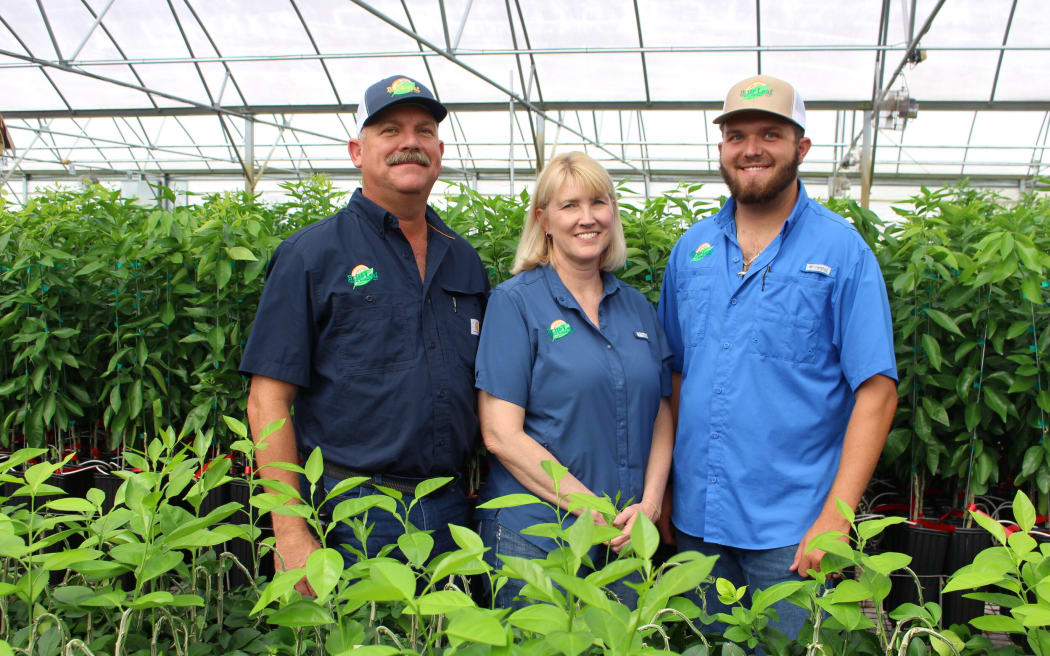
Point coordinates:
pixel 561 293
pixel 381 220
pixel 726 218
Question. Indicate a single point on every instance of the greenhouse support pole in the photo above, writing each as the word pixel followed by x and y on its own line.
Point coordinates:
pixel 510 116
pixel 249 154
pixel 867 165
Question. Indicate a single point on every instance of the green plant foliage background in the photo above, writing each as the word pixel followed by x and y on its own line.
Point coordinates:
pixel 109 310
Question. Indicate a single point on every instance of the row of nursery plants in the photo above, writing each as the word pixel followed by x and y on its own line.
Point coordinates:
pixel 151 574
pixel 108 308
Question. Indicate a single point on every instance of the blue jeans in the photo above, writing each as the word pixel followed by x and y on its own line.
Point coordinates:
pixel 434 512
pixel 758 569
pixel 501 540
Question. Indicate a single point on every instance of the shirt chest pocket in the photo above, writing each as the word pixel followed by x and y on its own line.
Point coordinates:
pixel 374 332
pixel 461 320
pixel 792 319
pixel 694 292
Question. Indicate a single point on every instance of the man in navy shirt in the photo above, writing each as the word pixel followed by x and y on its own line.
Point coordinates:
pixel 368 324
pixel 776 312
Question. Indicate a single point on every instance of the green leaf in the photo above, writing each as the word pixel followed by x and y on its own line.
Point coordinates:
pixel 476 625
pixel 236 426
pixel 152 600
pixel 314 467
pixel 972 580
pixel 570 643
pixel 416 546
pixel 159 563
pixel 935 410
pixel 466 538
pixel 65 559
pixel 444 602
pixel 994 399
pixel 1030 289
pixel 872 527
pixel 510 501
pixel 990 525
pixel 300 613
pixel 933 351
pixel 395 575
pixel 323 569
pixel 1024 511
pixel 997 624
pixel 850 590
pixel 241 253
pixel 644 537
pixel 555 470
pixel 431 484
pixel 888 562
pixel 539 618
pixel 943 320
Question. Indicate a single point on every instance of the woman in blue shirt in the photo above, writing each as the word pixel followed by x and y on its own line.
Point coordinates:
pixel 573 367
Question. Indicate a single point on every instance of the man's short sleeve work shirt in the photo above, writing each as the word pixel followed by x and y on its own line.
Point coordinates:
pixel 770 361
pixel 383 360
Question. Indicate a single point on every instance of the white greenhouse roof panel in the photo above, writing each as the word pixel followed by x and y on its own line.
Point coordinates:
pixel 133 86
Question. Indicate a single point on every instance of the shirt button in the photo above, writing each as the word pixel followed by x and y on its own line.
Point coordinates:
pixel 369 299
pixel 714 436
pixel 736 259
pixel 441 394
pixel 718 390
pixel 725 345
pixel 714 480
pixel 732 302
pixel 608 346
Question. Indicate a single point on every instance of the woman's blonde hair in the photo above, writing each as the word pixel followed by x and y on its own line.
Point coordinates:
pixel 590 176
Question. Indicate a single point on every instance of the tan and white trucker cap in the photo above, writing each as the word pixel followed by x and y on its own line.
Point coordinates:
pixel 763 93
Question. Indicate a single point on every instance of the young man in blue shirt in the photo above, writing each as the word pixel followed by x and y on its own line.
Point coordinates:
pixel 785 376
pixel 369 324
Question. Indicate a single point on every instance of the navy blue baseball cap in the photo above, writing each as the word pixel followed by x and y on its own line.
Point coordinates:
pixel 394 90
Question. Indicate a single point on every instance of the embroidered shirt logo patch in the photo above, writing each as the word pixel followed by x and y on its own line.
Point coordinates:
pixel 641 335
pixel 819 268
pixel 559 329
pixel 702 251
pixel 401 86
pixel 361 275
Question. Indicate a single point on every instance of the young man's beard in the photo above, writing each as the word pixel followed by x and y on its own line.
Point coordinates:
pixel 783 177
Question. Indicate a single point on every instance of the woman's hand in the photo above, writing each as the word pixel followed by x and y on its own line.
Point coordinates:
pixel 625 521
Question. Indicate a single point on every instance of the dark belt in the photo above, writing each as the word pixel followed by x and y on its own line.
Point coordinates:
pixel 403 484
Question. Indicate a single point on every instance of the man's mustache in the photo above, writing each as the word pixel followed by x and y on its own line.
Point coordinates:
pixel 408 157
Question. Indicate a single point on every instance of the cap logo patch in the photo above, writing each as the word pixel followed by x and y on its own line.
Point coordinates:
pixel 756 90
pixel 361 275
pixel 401 86
pixel 702 251
pixel 559 329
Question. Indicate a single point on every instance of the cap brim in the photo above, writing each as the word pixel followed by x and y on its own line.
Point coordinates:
pixel 436 109
pixel 721 118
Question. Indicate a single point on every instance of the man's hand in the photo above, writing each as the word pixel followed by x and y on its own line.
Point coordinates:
pixel 625 521
pixel 806 561
pixel 292 552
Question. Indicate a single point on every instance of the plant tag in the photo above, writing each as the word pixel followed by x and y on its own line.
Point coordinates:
pixel 640 335
pixel 475 327
pixel 819 268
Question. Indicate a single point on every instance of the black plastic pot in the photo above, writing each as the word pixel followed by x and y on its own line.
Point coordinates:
pixel 965 544
pixel 928 548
